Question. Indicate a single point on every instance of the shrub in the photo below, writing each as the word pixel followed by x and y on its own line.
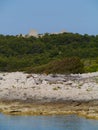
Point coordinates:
pixel 62 66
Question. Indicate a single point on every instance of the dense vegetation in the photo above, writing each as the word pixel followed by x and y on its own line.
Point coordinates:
pixel 52 53
pixel 62 66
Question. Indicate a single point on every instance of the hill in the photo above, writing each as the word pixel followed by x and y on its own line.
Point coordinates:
pixel 30 54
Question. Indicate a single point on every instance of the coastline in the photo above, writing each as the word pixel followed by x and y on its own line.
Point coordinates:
pixel 32 94
pixel 87 109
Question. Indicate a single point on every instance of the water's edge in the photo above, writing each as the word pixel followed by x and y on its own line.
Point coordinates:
pixel 88 109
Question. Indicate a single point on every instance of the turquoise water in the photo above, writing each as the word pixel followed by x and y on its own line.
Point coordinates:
pixel 70 122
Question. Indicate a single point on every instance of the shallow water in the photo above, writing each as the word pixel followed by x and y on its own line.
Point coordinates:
pixel 70 122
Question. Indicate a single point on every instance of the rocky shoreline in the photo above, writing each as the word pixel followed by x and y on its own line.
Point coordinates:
pixel 88 109
pixel 33 94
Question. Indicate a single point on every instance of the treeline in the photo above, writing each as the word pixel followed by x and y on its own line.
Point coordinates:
pixel 38 54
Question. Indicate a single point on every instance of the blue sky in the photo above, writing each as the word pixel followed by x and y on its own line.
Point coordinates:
pixel 20 16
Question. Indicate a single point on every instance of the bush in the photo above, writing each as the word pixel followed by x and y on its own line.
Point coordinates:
pixel 63 66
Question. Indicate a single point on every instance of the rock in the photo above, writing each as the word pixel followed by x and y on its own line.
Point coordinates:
pixel 44 82
pixel 69 83
pixel 1 78
pixel 29 76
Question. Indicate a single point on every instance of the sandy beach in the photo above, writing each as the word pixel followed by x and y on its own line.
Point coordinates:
pixel 34 94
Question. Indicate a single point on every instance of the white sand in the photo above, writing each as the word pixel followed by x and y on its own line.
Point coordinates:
pixel 18 85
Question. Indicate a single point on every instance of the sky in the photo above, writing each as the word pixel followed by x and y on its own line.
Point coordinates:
pixel 20 16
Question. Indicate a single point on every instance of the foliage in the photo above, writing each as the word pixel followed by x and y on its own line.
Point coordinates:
pixel 62 66
pixel 19 53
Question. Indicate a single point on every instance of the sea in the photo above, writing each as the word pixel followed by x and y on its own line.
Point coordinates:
pixel 60 122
